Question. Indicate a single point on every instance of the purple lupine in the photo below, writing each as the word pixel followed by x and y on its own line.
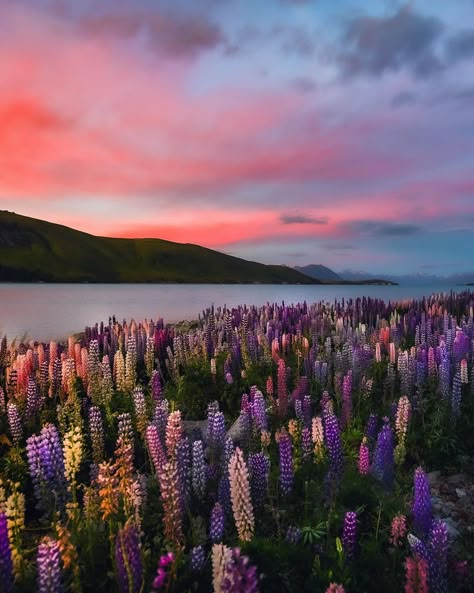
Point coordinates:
pixel 293 535
pixel 197 558
pixel 307 410
pixel 332 440
pixel 286 462
pixel 3 405
pixel 306 443
pixel 258 411
pixel 223 494
pixel 239 575
pixel 422 508
pixel 281 389
pixel 456 396
pixel 49 567
pixel 32 398
pixel 6 563
pixel 216 524
pixel 371 428
pixel 216 435
pixel 14 422
pixel 160 418
pixel 156 388
pixel 199 470
pixel 438 557
pixel 162 573
pixel 383 463
pixel 128 559
pixel 34 465
pixel 96 431
pixel 183 459
pixel 259 469
pixel 349 534
pixel 52 463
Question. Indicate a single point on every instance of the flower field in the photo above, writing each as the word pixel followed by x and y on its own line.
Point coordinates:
pixel 277 448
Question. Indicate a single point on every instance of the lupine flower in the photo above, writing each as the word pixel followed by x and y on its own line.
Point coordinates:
pixel 293 535
pixel 139 405
pixel 96 431
pixel 172 504
pixel 223 494
pixel 156 388
pixel 128 559
pixel 162 573
pixel 318 437
pixel 14 422
pixel 383 464
pixel 6 563
pixel 306 443
pixel 349 534
pixel 335 588
pixel 199 470
pixel 125 428
pixel 371 428
pixel 183 461
pixel 258 411
pixel 49 567
pixel 73 452
pixel 216 434
pixel 216 524
pixel 155 448
pixel 438 557
pixel 398 530
pixel 240 496
pixel 281 389
pixel 174 432
pixel 259 468
pixel 332 438
pixel 422 508
pixel 198 558
pixel 239 575
pixel 364 458
pixel 160 418
pixel 346 399
pixel 286 463
pixel 15 513
pixel 416 575
pixel 221 557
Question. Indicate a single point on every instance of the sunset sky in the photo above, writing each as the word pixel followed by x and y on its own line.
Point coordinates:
pixel 284 131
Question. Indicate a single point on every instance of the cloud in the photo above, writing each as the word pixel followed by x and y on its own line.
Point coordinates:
pixel 171 34
pixel 384 228
pixel 295 40
pixel 403 98
pixel 303 84
pixel 301 219
pixel 378 44
pixel 461 45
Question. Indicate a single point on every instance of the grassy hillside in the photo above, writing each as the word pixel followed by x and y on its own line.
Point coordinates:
pixel 33 250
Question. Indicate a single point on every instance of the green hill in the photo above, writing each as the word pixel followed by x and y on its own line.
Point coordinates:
pixel 33 250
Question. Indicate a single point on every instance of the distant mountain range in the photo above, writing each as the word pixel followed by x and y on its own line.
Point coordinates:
pixel 319 271
pixel 33 250
pixel 328 276
pixel 412 279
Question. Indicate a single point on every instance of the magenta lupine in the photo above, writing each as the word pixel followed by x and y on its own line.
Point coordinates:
pixel 383 463
pixel 199 470
pixel 335 588
pixel 259 469
pixel 162 572
pixel 128 559
pixel 349 534
pixel 156 388
pixel 286 462
pixel 346 399
pixel 364 458
pixel 416 575
pixel 49 567
pixel 422 508
pixel 240 576
pixel 6 563
pixel 398 530
pixel 282 389
pixel 216 524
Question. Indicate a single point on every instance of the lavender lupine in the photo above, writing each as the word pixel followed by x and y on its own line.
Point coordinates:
pixel 49 567
pixel 383 463
pixel 456 395
pixel 258 412
pixel 6 563
pixel 128 559
pixel 183 460
pixel 371 428
pixel 198 470
pixel 346 399
pixel 286 462
pixel 422 508
pixel 216 434
pixel 259 469
pixel 349 534
pixel 96 431
pixel 155 448
pixel 216 524
pixel 156 388
pixel 139 405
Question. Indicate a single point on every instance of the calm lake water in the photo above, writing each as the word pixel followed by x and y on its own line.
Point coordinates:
pixel 54 311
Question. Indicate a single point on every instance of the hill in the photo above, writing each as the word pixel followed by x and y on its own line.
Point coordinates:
pixel 33 250
pixel 319 272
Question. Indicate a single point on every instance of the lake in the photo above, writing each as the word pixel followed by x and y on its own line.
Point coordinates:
pixel 54 311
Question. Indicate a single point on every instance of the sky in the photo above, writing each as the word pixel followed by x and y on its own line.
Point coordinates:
pixel 283 131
